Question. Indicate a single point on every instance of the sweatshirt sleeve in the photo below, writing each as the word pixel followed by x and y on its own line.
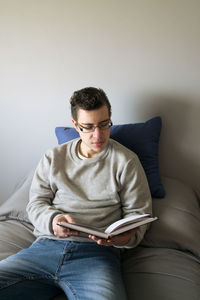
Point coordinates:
pixel 135 196
pixel 40 208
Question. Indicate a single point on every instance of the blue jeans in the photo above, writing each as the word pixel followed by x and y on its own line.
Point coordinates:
pixel 83 270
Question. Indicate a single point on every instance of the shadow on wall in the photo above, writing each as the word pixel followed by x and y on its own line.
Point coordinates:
pixel 180 135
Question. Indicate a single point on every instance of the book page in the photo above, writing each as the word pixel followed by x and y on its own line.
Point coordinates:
pixel 133 225
pixel 125 221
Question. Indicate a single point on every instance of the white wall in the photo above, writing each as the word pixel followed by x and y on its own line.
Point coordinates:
pixel 143 53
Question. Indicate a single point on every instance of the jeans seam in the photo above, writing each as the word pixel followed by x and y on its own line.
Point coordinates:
pixel 36 277
pixel 62 258
pixel 32 277
pixel 70 287
pixel 60 263
pixel 10 283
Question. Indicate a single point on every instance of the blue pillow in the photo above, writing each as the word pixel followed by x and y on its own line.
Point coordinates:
pixel 141 138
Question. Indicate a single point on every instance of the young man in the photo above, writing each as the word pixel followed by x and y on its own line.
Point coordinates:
pixel 91 180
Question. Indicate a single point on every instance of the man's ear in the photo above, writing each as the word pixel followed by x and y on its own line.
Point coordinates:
pixel 75 125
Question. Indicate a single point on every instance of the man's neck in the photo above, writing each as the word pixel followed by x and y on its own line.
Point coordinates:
pixel 84 153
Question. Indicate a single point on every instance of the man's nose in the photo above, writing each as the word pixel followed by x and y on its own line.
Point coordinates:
pixel 97 132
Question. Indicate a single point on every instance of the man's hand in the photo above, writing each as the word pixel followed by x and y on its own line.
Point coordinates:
pixel 117 240
pixel 63 232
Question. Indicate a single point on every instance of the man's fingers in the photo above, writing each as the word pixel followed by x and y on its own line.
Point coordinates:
pixel 69 219
pixel 64 232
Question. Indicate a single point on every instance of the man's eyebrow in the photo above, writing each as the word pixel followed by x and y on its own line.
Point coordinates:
pixel 93 124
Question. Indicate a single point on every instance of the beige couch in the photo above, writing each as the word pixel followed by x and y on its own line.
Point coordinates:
pixel 166 265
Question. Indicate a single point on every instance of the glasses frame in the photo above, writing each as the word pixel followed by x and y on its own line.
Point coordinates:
pixel 82 128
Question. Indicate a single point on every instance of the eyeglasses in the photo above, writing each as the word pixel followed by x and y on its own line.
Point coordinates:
pixel 91 128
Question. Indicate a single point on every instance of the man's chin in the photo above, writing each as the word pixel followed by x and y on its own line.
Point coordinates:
pixel 97 148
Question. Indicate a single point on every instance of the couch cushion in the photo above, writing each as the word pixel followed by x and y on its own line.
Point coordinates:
pixel 142 138
pixel 15 206
pixel 178 226
pixel 160 273
pixel 14 237
pixel 15 228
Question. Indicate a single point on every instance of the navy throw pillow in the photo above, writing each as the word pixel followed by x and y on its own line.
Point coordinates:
pixel 141 138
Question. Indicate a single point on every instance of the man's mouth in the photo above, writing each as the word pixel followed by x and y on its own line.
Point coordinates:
pixel 99 143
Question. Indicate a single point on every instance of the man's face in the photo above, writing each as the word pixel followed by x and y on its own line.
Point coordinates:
pixel 92 143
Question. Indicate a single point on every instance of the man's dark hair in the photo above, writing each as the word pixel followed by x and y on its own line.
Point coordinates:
pixel 89 98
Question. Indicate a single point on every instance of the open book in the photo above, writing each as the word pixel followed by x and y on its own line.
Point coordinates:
pixel 115 228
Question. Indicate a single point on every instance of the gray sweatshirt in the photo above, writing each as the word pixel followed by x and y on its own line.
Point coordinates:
pixel 96 191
